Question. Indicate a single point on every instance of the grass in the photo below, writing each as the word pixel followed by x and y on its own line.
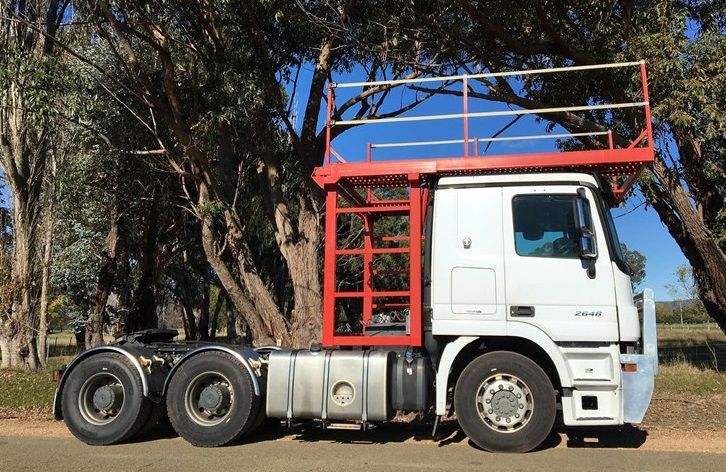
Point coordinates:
pixel 21 390
pixel 689 334
pixel 681 377
pixel 69 338
pixel 33 391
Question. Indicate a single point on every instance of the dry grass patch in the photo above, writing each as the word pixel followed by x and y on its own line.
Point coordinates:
pixel 683 378
pixel 690 334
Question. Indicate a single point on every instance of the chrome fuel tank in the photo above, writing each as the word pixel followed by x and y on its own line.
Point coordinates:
pixel 335 385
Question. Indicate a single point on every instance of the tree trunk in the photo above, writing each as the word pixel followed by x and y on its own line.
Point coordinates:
pixel 684 223
pixel 24 170
pixel 44 279
pixel 24 148
pixel 94 326
pixel 201 314
pixel 303 261
pixel 19 328
pixel 144 310
pixel 214 321
pixel 232 322
pixel 190 325
pixel 260 327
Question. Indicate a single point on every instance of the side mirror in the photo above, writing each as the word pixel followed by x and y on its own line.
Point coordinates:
pixel 588 246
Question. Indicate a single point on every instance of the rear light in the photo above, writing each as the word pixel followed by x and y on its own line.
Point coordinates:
pixel 630 367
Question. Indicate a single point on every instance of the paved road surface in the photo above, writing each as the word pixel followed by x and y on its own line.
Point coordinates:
pixel 353 451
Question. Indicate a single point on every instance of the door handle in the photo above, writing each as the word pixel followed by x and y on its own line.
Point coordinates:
pixel 521 311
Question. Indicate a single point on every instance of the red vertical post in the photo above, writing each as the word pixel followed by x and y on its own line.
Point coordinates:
pixel 328 117
pixel 465 94
pixel 367 269
pixel 331 243
pixel 415 300
pixel 610 139
pixel 476 147
pixel 646 99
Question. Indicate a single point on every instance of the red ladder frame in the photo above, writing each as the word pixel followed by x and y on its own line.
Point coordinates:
pixel 349 190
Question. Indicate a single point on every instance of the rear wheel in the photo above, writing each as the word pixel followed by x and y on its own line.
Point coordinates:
pixel 103 400
pixel 211 400
pixel 505 402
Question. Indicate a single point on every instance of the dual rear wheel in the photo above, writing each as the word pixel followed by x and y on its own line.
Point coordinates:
pixel 103 401
pixel 210 400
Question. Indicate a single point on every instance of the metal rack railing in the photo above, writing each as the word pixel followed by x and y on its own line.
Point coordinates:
pixel 465 115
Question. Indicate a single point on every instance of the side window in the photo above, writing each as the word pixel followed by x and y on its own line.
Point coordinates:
pixel 546 226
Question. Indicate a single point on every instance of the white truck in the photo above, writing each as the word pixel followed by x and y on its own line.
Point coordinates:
pixel 511 306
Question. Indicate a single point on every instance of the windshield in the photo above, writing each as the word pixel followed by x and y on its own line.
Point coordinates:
pixel 614 236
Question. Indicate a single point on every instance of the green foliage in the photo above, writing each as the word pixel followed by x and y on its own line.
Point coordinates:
pixel 213 209
pixel 636 263
pixel 684 46
pixel 690 311
pixel 686 307
pixel 227 92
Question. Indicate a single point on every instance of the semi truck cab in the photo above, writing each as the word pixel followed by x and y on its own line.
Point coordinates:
pixel 533 261
pixel 500 296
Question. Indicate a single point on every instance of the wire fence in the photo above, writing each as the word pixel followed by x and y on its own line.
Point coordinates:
pixel 704 353
pixel 708 356
pixel 62 346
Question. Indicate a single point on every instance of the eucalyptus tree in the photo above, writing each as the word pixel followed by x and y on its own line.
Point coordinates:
pixel 29 84
pixel 684 45
pixel 213 75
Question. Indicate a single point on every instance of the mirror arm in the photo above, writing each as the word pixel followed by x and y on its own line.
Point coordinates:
pixel 591 271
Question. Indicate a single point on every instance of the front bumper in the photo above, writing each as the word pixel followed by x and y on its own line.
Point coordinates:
pixel 638 385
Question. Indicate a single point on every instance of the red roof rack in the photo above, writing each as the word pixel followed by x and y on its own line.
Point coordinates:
pixel 393 316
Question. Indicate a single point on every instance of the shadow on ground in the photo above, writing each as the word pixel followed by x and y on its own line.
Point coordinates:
pixel 448 433
pixel 625 437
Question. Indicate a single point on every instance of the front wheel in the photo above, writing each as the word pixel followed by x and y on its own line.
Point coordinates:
pixel 505 402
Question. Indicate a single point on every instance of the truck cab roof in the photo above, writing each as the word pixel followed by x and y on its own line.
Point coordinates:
pixel 519 178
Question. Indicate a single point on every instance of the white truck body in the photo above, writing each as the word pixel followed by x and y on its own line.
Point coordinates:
pixel 478 277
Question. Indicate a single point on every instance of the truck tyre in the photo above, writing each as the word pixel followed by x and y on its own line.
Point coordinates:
pixel 505 402
pixel 103 400
pixel 211 400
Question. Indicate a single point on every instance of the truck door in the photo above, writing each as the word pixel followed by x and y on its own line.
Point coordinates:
pixel 468 268
pixel 548 282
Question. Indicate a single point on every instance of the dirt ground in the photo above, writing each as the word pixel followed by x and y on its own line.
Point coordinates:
pixel 687 424
pixel 687 413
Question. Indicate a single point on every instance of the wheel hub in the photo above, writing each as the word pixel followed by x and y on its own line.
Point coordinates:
pixel 208 398
pixel 214 398
pixel 107 397
pixel 101 398
pixel 504 402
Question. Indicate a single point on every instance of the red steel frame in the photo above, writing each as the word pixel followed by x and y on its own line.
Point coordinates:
pixel 349 188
